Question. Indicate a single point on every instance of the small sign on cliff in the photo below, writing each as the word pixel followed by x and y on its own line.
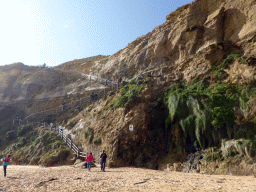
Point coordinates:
pixel 130 127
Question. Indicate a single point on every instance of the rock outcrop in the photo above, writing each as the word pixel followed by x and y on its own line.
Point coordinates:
pixel 194 38
pixel 190 29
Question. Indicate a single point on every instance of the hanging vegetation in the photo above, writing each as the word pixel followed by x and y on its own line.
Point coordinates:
pixel 204 113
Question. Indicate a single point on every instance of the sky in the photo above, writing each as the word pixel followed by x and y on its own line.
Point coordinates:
pixel 35 32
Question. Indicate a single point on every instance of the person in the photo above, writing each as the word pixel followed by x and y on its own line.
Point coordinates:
pixel 103 157
pixel 100 157
pixel 119 80
pixel 95 96
pixel 92 96
pixel 61 129
pixel 6 161
pixel 89 160
pixel 63 106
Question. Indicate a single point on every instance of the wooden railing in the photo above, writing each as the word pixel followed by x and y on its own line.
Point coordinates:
pixel 66 139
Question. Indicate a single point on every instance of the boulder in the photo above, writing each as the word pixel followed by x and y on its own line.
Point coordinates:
pixel 177 167
pixel 78 161
pixel 80 165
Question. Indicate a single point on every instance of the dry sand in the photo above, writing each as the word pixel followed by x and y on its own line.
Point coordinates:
pixel 68 178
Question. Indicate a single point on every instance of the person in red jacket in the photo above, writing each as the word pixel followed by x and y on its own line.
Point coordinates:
pixel 89 160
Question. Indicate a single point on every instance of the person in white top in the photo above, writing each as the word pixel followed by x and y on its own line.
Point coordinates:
pixel 60 128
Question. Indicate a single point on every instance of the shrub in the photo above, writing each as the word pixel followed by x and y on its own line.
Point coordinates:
pixel 63 154
pixel 97 140
pixel 89 134
pixel 22 130
pixel 22 141
pixel 50 118
pixel 221 74
pixel 71 124
pixel 130 91
pixel 149 149
pixel 91 138
pixel 233 147
pixel 47 156
pixel 124 83
pixel 229 58
pixel 192 27
pixel 215 156
pixel 10 135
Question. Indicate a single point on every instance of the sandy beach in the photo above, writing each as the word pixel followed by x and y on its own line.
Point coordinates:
pixel 68 178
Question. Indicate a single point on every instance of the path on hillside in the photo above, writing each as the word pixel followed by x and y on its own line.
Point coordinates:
pixel 86 100
pixel 68 178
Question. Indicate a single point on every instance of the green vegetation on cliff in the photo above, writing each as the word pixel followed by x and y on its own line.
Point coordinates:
pixel 37 146
pixel 206 112
pixel 129 92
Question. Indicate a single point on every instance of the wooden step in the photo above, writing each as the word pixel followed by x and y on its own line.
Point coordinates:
pixel 82 156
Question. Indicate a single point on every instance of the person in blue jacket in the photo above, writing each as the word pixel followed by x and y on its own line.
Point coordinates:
pixel 6 161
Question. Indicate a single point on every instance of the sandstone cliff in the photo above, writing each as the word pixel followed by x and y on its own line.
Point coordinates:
pixel 190 29
pixel 194 40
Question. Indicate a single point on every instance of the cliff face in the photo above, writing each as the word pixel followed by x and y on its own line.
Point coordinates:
pixel 188 30
pixel 174 47
pixel 195 38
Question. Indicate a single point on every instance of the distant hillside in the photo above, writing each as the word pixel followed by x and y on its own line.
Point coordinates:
pixel 21 82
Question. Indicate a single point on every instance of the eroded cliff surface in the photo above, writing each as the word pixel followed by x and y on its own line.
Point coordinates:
pixel 194 39
pixel 187 31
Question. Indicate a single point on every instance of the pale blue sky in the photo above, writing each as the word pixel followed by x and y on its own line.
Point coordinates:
pixel 55 31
